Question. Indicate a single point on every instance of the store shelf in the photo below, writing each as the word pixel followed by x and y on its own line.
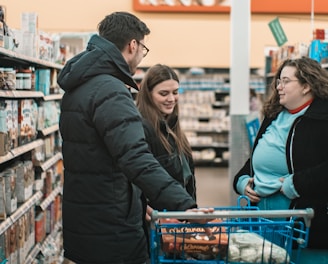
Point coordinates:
pixel 21 150
pixel 20 211
pixel 49 130
pixel 9 55
pixel 212 145
pixel 20 94
pixel 33 254
pixel 46 202
pixel 53 97
pixel 208 131
pixel 50 162
pixel 25 152
pixel 41 247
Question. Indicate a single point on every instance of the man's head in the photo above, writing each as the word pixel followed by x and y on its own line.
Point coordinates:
pixel 127 32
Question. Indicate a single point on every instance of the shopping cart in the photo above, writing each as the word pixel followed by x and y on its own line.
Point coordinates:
pixel 236 234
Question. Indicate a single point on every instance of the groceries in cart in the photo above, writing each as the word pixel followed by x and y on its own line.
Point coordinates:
pixel 249 247
pixel 192 240
pixel 237 234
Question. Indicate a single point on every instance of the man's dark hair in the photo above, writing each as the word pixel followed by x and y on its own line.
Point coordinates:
pixel 121 27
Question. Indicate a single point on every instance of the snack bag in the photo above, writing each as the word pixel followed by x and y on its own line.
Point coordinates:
pixel 191 240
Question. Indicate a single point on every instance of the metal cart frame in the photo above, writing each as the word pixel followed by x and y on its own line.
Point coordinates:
pixel 271 231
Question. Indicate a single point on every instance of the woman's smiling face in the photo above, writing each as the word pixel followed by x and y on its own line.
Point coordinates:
pixel 165 96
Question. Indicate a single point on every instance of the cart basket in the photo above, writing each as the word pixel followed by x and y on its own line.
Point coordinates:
pixel 236 234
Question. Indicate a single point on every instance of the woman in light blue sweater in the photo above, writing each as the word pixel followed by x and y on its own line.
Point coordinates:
pixel 288 167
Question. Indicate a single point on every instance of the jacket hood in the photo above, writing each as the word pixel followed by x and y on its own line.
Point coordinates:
pixel 100 57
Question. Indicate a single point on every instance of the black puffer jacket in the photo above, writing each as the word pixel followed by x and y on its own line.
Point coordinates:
pixel 307 159
pixel 106 161
pixel 172 163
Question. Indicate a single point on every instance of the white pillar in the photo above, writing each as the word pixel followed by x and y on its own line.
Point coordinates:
pixel 239 57
pixel 239 87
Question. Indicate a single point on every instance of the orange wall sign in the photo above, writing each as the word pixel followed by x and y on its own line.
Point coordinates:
pixel 213 6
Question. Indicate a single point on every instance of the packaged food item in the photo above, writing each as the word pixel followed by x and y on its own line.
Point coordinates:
pixel 250 247
pixel 3 214
pixel 194 241
pixel 10 190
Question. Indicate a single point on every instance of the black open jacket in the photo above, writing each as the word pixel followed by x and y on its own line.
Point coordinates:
pixel 171 162
pixel 307 159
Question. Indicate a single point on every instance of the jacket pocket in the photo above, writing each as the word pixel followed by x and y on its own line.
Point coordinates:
pixel 172 164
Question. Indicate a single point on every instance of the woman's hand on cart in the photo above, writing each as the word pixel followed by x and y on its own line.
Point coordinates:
pixel 250 193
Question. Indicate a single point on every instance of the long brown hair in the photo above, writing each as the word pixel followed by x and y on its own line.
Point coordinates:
pixel 155 75
pixel 308 71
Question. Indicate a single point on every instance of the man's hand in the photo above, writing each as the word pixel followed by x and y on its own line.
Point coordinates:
pixel 203 220
pixel 201 210
pixel 149 211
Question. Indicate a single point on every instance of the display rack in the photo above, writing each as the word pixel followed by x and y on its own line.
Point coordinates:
pixel 39 200
pixel 208 94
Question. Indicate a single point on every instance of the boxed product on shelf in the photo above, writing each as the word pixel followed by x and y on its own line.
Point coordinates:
pixel 3 214
pixel 27 119
pixel 27 247
pixel 38 155
pixel 4 145
pixel 11 108
pixel 14 131
pixel 13 243
pixel 9 77
pixel 59 170
pixel 40 227
pixel 31 228
pixel 10 190
pixel 57 208
pixel 27 36
pixel 25 179
pixel 42 81
pixel 8 126
pixel 51 113
pixel 49 146
pixel 28 43
pixel 38 184
pixel 4 254
pixel 4 246
pixel 319 51
pixel 21 239
pixel 29 22
pixel 4 142
pixel 12 122
pixel 50 218
pixel 48 183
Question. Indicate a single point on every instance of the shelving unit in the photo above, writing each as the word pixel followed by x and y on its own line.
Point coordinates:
pixel 204 113
pixel 44 197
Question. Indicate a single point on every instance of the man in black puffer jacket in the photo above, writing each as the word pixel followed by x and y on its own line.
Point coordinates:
pixel 106 158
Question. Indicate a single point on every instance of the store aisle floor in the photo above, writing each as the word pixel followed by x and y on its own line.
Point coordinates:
pixel 212 185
